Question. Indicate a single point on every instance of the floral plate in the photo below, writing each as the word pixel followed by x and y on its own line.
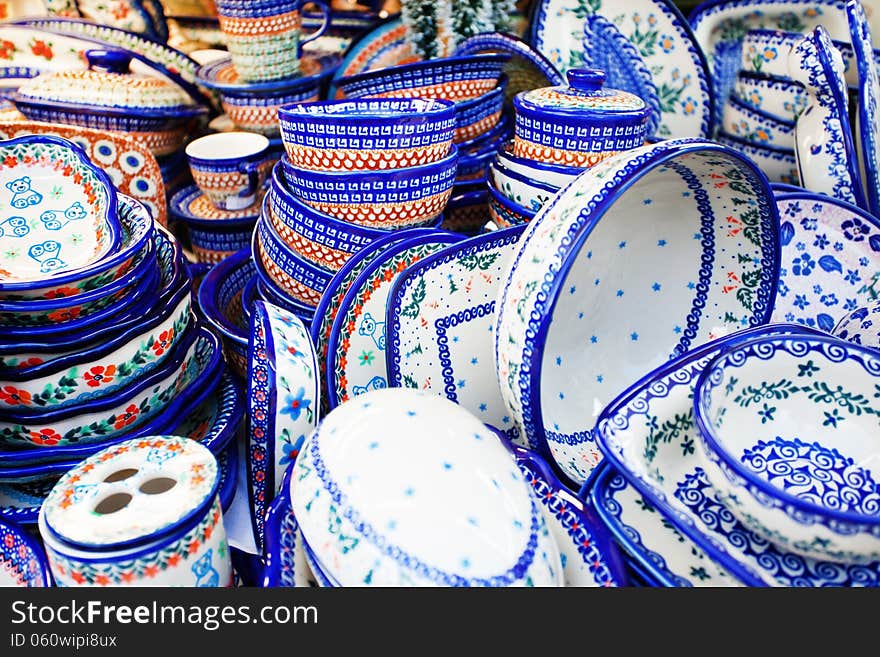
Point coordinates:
pixel 830 259
pixel 439 324
pixel 356 347
pixel 646 48
pixel 648 435
pixel 22 559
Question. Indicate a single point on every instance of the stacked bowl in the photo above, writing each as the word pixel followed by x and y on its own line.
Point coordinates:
pixel 560 132
pixel 111 348
pixel 354 171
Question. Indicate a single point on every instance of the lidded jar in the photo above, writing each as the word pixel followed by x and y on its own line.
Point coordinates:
pixel 145 512
pixel 580 124
pixel 108 96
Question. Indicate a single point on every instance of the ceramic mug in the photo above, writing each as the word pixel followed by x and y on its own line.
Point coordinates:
pixel 229 167
pixel 265 38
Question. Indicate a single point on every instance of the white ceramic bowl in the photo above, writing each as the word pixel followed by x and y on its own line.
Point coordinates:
pixel 756 126
pixel 778 97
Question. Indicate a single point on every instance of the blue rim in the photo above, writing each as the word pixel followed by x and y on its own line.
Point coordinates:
pixel 321 277
pixel 266 287
pixel 715 446
pixel 510 173
pixel 34 547
pixel 419 113
pixel 405 243
pixel 171 117
pixel 227 462
pixel 506 153
pixel 513 46
pixel 865 61
pixel 278 511
pixel 732 141
pixel 533 416
pixel 769 119
pixel 210 289
pixel 773 80
pixel 704 542
pixel 113 221
pixel 179 203
pixel 206 74
pixel 512 206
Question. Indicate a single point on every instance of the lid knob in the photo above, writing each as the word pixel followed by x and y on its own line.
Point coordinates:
pixel 108 61
pixel 586 79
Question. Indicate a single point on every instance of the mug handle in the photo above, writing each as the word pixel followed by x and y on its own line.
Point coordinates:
pixel 251 169
pixel 325 10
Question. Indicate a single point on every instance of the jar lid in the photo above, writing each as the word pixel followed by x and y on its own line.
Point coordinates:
pixel 585 94
pixel 132 493
pixel 107 84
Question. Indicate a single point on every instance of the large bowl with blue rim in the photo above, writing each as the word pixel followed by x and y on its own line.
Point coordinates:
pixel 788 438
pixel 385 199
pixel 643 257
pixel 367 133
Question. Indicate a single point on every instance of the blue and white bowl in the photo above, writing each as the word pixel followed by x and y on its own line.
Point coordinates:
pixel 788 438
pixel 505 212
pixel 390 199
pixel 365 133
pixel 552 175
pixel 861 326
pixel 778 164
pixel 779 97
pixel 756 126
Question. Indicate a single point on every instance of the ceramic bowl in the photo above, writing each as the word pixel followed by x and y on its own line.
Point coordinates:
pixel 144 512
pixel 478 116
pixel 756 126
pixel 423 464
pixel 788 438
pixel 450 78
pixel 552 175
pixel 137 231
pixel 578 124
pixel 219 299
pixel 520 189
pixel 115 413
pixel 213 241
pixel 296 277
pixel 778 164
pixel 229 167
pixel 475 156
pixel 505 212
pixel 320 238
pixel 778 97
pixel 861 326
pixel 367 133
pixel 23 560
pixel 592 301
pixel 393 198
pixel 276 297
pixel 54 224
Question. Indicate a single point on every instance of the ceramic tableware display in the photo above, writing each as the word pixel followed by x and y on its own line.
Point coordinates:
pixel 144 513
pixel 778 164
pixel 826 155
pixel 265 38
pixel 439 321
pixel 830 259
pixel 22 559
pixel 284 396
pixel 455 468
pixel 590 302
pixel 107 96
pixel 518 188
pixel 861 326
pixel 788 439
pixel 671 76
pixel 578 124
pixel 229 167
pixel 543 173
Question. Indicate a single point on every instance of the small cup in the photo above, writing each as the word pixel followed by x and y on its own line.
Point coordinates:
pixel 229 167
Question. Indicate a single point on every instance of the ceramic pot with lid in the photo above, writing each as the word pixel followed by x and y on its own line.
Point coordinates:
pixel 579 124
pixel 145 512
pixel 108 96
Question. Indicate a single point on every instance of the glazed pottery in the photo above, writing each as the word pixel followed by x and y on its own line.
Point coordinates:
pixel 265 39
pixel 505 212
pixel 285 554
pixel 830 259
pixel 778 97
pixel 826 156
pixel 778 164
pixel 671 75
pixel 229 167
pixel 578 124
pixel 551 175
pixel 54 224
pixel 861 326
pixel 574 295
pixel 450 78
pixel 108 97
pixel 284 400
pixel 439 321
pixel 788 440
pixel 143 512
pixel 454 468
pixel 371 134
pixel 478 116
pixel 756 126
pixel 356 346
pixel 22 559
pixel 386 199
pixel 520 189
pixel 468 209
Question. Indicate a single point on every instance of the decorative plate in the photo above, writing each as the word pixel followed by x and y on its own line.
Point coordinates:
pixel 830 259
pixel 60 210
pixel 131 167
pixel 337 288
pixel 191 203
pixel 720 25
pixel 130 15
pixel 440 320
pixel 868 114
pixel 654 542
pixel 648 435
pixel 221 75
pixel 356 348
pixel 284 400
pixel 646 48
pixel 22 559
